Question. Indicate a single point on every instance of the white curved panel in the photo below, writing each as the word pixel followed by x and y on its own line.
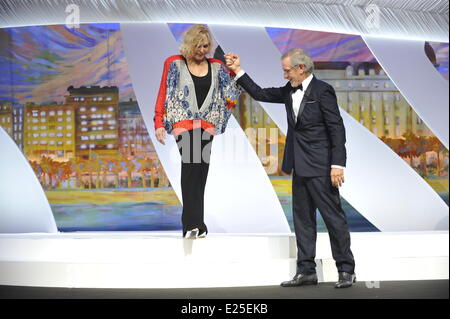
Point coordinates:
pixel 24 208
pixel 420 83
pixel 239 196
pixel 145 61
pixel 384 188
pixel 379 184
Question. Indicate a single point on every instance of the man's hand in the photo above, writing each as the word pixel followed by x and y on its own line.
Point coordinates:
pixel 233 62
pixel 337 177
pixel 161 135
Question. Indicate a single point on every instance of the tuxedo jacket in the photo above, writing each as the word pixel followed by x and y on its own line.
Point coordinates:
pixel 315 139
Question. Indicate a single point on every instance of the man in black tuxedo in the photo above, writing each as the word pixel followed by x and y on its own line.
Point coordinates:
pixel 315 154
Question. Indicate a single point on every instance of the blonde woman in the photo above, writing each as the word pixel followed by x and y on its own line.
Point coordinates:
pixel 196 97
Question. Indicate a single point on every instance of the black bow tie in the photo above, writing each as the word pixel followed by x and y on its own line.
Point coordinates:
pixel 295 88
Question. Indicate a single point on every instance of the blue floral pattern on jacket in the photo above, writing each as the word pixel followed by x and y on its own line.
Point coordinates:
pixel 218 111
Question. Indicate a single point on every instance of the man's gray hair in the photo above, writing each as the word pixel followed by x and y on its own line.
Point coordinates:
pixel 298 57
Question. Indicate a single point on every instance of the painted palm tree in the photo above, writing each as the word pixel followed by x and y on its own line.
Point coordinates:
pixel 47 165
pixel 412 146
pixel 145 166
pixel 38 171
pixel 130 166
pixel 439 148
pixel 64 172
pixel 104 166
pixel 95 168
pixel 116 169
pixel 76 165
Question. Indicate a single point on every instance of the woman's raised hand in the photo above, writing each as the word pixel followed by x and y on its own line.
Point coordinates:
pixel 233 62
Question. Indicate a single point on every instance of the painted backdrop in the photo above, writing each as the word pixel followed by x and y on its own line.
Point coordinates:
pixel 67 100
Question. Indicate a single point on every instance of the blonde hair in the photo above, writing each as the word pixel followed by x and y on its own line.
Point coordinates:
pixel 193 37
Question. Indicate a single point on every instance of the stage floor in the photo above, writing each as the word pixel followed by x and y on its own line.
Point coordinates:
pixel 127 260
pixel 417 289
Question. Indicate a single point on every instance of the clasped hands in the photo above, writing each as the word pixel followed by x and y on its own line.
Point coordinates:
pixel 233 62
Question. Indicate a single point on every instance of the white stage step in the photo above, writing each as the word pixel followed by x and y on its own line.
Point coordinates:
pixel 165 260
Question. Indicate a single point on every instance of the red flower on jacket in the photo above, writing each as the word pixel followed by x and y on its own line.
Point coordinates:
pixel 230 103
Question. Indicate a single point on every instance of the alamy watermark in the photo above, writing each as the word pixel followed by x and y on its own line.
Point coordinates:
pixel 373 284
pixel 72 20
pixel 235 148
pixel 373 16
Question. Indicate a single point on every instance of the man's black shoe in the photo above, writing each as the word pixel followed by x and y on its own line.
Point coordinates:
pixel 301 280
pixel 345 280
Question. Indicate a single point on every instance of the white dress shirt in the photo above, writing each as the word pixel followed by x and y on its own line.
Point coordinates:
pixel 297 98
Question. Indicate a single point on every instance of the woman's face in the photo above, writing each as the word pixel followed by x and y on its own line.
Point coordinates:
pixel 201 50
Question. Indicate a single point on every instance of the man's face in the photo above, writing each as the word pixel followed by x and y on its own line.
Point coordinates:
pixel 294 74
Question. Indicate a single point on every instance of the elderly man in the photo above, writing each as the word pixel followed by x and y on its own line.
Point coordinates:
pixel 315 154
